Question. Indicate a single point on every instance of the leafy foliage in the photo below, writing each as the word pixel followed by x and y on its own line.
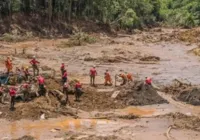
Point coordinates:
pixel 123 13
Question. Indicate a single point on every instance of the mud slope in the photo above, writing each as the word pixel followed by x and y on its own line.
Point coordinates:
pixel 140 94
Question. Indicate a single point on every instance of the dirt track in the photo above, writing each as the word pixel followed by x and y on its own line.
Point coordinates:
pixel 159 54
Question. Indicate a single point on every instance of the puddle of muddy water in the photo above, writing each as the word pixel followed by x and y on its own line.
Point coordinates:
pixel 43 129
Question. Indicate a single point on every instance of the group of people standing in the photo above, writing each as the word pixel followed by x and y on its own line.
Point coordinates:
pixel 126 77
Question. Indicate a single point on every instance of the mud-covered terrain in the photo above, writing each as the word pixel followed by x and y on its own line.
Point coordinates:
pixel 106 112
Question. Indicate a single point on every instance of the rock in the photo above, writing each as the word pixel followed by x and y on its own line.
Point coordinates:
pixel 42 117
pixel 105 90
pixel 1 113
pixel 55 130
pixel 115 94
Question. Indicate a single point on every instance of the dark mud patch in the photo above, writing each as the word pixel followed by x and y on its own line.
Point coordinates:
pixel 150 58
pixel 25 138
pixel 34 109
pixel 140 94
pixel 92 100
pixel 83 136
pixel 190 96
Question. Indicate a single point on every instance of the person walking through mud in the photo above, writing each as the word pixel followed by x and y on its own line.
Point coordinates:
pixel 108 80
pixel 12 93
pixel 64 77
pixel 66 90
pixel 8 64
pixel 34 64
pixel 62 68
pixel 93 74
pixel 78 90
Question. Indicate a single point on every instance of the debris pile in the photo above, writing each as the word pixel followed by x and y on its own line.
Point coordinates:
pixel 195 51
pixel 140 94
pixel 51 108
pixel 182 121
pixel 92 100
pixel 150 58
pixel 176 87
pixel 191 96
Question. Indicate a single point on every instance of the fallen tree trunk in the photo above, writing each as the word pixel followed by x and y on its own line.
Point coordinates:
pixel 61 96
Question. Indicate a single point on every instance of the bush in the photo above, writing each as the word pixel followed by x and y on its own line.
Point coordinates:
pixel 78 39
pixel 15 37
pixel 130 19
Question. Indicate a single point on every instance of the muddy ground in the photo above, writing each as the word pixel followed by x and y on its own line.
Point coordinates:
pixel 163 54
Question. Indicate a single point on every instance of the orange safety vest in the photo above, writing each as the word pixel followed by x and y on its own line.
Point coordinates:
pixel 129 77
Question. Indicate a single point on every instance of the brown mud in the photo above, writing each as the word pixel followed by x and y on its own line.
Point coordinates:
pixel 140 94
pixel 169 59
pixel 182 121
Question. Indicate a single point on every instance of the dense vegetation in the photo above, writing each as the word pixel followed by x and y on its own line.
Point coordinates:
pixel 118 13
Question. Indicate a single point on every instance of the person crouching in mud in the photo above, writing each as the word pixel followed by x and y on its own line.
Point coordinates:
pixel 12 93
pixel 148 81
pixel 78 90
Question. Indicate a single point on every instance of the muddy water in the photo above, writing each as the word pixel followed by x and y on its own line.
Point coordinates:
pixel 45 129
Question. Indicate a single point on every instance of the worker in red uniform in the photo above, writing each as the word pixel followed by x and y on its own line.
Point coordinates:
pixel 41 85
pixel 66 90
pixel 12 93
pixel 108 80
pixel 129 77
pixel 62 68
pixel 93 74
pixel 124 78
pixel 64 76
pixel 148 81
pixel 34 64
pixel 25 90
pixel 78 90
pixel 9 65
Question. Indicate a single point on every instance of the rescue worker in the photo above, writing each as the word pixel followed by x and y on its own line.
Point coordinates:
pixel 62 68
pixel 129 77
pixel 9 65
pixel 124 79
pixel 93 74
pixel 78 90
pixel 34 64
pixel 3 92
pixel 148 81
pixel 66 90
pixel 26 73
pixel 12 93
pixel 64 76
pixel 19 75
pixel 25 91
pixel 108 80
pixel 41 81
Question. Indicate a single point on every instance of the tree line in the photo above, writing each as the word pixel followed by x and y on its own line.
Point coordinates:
pixel 120 13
